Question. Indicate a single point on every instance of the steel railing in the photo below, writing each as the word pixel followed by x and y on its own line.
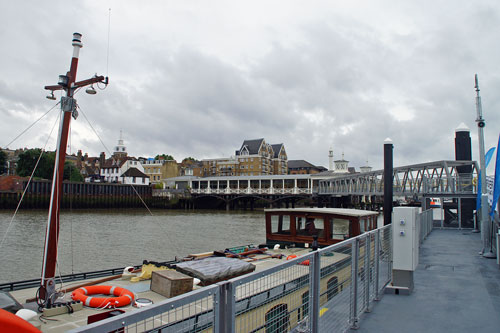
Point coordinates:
pixel 325 290
pixel 196 311
pixel 425 223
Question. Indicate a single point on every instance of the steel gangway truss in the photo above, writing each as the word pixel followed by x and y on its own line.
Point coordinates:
pixel 439 179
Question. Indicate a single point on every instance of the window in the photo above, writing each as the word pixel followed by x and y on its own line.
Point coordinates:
pixel 332 288
pixel 362 225
pixel 280 224
pixel 339 228
pixel 277 319
pixel 304 310
pixel 310 226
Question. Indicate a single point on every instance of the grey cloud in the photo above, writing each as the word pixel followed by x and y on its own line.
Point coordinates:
pixel 341 72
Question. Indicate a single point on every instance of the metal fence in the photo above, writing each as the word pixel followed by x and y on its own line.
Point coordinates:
pixel 196 311
pixel 324 291
pixel 425 223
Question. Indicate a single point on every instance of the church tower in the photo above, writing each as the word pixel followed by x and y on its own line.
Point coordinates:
pixel 120 149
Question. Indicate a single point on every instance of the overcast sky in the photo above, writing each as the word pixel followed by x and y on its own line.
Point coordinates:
pixel 196 78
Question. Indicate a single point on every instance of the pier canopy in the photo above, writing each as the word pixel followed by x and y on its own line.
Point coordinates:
pixel 276 184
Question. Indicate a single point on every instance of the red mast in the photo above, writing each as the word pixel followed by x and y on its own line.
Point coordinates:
pixel 68 108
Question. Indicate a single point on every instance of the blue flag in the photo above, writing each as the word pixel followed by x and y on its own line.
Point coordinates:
pixel 487 159
pixel 496 184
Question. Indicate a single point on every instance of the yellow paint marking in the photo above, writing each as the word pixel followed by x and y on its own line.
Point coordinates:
pixel 322 311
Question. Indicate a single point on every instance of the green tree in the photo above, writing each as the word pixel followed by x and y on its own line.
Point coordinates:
pixel 27 161
pixel 3 161
pixel 158 186
pixel 165 157
pixel 71 173
pixel 45 170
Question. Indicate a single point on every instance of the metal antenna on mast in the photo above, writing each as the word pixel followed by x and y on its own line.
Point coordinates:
pixel 484 217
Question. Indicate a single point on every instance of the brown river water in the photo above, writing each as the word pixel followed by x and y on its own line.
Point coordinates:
pixel 101 239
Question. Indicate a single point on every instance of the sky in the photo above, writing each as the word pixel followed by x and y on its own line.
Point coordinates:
pixel 197 78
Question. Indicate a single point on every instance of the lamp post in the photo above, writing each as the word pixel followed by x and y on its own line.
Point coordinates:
pixel 484 217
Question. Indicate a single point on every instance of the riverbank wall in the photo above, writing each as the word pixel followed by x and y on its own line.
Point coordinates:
pixel 90 195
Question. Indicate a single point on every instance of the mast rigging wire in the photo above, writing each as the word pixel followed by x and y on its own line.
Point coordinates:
pixel 109 152
pixel 107 53
pixel 70 206
pixel 27 185
pixel 17 137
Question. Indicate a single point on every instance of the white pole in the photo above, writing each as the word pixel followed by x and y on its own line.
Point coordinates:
pixel 484 216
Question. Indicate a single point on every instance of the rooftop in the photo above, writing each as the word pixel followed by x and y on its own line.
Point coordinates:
pixel 296 164
pixel 456 290
pixel 336 211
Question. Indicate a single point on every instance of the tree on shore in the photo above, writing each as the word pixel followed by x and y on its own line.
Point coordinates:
pixel 71 173
pixel 3 161
pixel 45 169
pixel 164 157
pixel 27 161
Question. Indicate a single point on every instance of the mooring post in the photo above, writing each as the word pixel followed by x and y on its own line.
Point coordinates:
pixel 388 171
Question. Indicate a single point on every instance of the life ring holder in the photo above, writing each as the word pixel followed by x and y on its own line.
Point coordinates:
pixel 123 297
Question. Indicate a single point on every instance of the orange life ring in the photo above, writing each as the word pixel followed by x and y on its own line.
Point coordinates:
pixel 123 296
pixel 291 256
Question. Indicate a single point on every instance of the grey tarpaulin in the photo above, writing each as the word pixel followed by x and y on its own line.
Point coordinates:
pixel 214 269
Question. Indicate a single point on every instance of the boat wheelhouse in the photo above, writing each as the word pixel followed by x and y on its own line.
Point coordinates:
pixel 299 226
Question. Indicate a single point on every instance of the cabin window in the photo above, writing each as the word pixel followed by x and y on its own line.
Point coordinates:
pixel 332 288
pixel 277 319
pixel 362 225
pixel 310 226
pixel 339 228
pixel 280 224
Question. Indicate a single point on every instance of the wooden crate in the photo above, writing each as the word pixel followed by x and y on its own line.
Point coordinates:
pixel 170 283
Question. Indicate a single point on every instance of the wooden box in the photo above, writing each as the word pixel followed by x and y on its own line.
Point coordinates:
pixel 170 283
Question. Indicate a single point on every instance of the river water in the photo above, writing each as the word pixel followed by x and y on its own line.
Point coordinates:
pixel 101 239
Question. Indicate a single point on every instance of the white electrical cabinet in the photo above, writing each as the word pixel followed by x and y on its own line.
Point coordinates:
pixel 406 232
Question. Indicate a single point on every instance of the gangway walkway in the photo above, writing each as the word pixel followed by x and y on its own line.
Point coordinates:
pixel 434 179
pixel 456 290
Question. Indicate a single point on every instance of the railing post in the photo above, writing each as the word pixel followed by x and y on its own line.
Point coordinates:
pixel 315 292
pixel 367 271
pixel 225 323
pixel 354 283
pixel 377 264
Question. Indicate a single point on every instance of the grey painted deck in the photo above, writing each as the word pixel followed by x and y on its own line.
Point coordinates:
pixel 456 290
